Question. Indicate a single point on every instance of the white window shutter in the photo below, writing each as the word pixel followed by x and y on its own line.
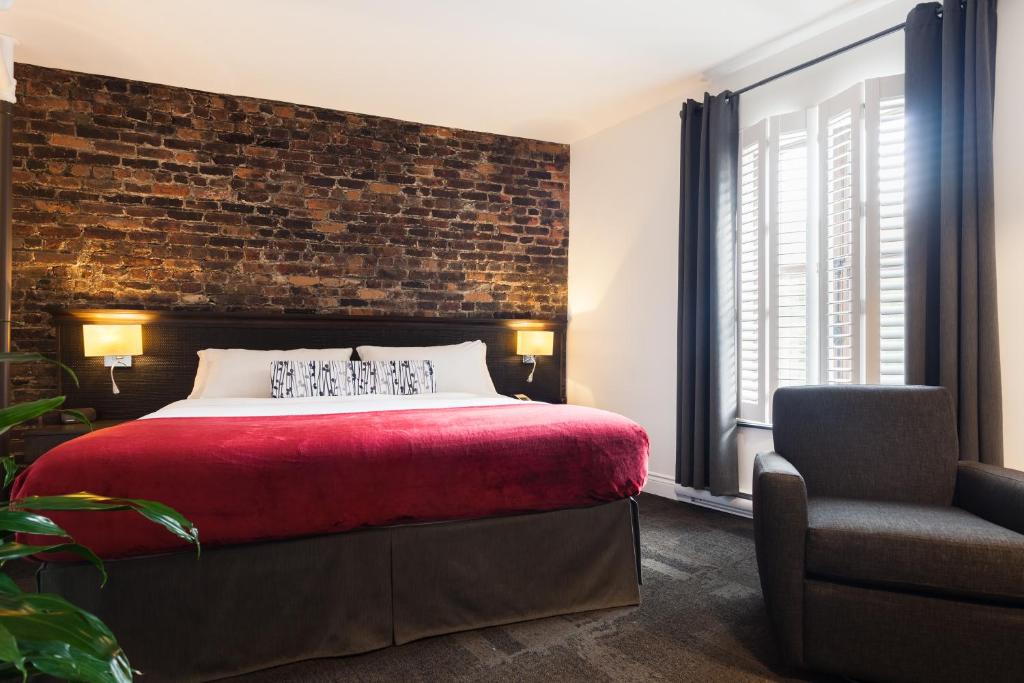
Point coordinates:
pixel 790 229
pixel 885 246
pixel 820 276
pixel 751 273
pixel 839 132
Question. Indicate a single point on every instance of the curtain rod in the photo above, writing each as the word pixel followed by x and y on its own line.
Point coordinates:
pixel 818 60
pixel 829 55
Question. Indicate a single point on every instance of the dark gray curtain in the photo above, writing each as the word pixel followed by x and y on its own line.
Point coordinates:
pixel 706 456
pixel 952 325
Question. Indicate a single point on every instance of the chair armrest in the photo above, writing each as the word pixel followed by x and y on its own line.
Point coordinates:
pixel 992 493
pixel 780 532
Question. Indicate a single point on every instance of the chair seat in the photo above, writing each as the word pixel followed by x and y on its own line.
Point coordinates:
pixel 938 550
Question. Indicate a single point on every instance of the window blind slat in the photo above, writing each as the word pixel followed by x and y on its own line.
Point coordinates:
pixel 885 127
pixel 789 207
pixel 751 274
pixel 839 130
pixel 791 255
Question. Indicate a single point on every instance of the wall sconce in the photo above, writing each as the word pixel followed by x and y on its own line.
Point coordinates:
pixel 116 343
pixel 533 343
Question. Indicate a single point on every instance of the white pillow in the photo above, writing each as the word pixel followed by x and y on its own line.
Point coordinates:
pixel 244 373
pixel 457 367
pixel 201 373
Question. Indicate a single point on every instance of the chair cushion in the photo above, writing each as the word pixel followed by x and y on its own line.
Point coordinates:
pixel 931 549
pixel 869 442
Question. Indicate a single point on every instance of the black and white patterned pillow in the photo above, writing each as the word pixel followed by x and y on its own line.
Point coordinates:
pixel 303 379
pixel 390 377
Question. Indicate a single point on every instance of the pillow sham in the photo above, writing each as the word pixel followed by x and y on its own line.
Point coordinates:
pixel 459 367
pixel 242 373
pixel 304 379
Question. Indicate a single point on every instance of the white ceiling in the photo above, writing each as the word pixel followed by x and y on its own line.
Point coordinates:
pixel 550 69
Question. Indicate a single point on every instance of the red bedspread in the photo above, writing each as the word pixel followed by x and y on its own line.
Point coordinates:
pixel 245 479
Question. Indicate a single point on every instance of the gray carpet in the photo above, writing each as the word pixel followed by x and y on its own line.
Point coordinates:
pixel 701 619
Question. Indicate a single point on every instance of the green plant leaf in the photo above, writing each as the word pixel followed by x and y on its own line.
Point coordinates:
pixel 10 652
pixel 20 412
pixel 81 629
pixel 11 469
pixel 165 516
pixel 13 550
pixel 79 416
pixel 29 523
pixel 7 584
pixel 61 640
pixel 14 357
pixel 59 661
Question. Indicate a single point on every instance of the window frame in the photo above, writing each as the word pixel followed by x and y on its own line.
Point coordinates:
pixel 862 102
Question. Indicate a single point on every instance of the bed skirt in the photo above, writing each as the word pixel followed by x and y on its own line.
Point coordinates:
pixel 243 608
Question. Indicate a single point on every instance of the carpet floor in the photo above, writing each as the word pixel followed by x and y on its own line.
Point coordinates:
pixel 701 619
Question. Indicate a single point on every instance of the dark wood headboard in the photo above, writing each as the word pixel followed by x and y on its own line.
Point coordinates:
pixel 166 370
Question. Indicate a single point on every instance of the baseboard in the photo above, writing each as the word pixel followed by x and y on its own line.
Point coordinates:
pixel 741 507
pixel 666 487
pixel 660 485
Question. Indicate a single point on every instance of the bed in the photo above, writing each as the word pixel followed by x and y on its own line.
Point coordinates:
pixel 337 526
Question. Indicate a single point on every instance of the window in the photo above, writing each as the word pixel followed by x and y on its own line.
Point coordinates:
pixel 820 276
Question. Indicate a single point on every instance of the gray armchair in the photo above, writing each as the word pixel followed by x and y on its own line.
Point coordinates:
pixel 881 555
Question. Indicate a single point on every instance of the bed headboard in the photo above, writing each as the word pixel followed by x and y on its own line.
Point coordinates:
pixel 167 368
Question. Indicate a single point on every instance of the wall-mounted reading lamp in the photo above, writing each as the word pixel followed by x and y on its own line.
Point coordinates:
pixel 533 343
pixel 116 343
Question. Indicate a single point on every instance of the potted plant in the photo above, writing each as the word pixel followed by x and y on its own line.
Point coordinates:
pixel 41 632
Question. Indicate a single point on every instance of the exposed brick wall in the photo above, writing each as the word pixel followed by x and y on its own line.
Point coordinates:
pixel 142 195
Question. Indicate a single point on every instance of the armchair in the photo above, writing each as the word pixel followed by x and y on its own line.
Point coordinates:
pixel 881 556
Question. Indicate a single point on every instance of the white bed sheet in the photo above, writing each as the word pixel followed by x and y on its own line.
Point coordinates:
pixel 262 407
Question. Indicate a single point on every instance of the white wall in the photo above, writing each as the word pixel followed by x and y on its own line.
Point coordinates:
pixel 624 185
pixel 1009 170
pixel 623 269
pixel 625 219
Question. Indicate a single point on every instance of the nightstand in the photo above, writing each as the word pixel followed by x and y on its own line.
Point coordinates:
pixel 38 440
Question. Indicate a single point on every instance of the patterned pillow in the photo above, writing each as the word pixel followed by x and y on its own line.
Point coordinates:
pixel 302 379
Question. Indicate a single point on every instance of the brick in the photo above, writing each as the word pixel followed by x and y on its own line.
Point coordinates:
pixel 140 195
pixel 72 141
pixel 384 188
pixel 303 280
pixel 169 190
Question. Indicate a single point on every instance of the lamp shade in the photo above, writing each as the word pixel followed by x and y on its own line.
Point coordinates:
pixel 112 340
pixel 535 342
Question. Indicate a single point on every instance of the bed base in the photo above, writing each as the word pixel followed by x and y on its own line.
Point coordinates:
pixel 243 608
